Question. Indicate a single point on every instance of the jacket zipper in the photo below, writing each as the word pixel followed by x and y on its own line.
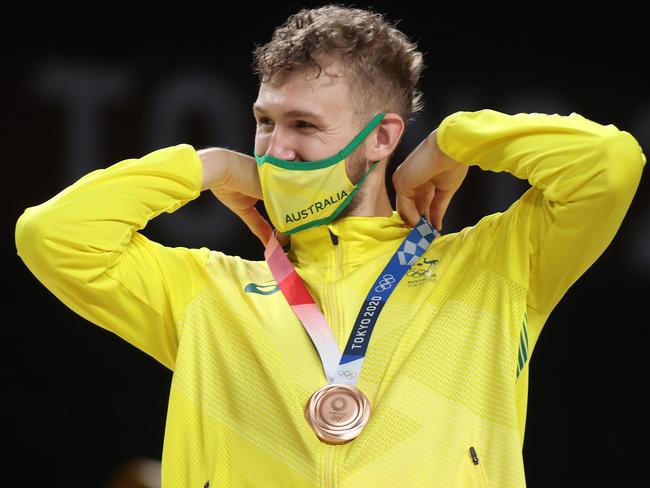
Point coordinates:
pixel 332 287
pixel 479 473
pixel 329 464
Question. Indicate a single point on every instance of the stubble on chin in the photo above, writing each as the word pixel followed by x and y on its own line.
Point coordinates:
pixel 357 160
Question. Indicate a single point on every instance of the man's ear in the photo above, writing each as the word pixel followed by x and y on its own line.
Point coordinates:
pixel 386 137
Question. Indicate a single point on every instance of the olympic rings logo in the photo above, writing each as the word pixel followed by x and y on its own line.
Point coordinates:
pixel 386 283
pixel 347 373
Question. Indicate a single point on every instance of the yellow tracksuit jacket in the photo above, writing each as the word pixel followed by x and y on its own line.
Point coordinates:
pixel 446 369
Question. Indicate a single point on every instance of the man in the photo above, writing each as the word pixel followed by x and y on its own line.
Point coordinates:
pixel 441 398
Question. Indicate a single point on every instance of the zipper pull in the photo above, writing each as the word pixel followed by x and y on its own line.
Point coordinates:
pixel 334 237
pixel 472 452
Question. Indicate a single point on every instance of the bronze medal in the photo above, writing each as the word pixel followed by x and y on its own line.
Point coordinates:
pixel 337 412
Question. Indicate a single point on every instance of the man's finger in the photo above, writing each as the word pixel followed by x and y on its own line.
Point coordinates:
pixel 407 209
pixel 439 205
pixel 424 197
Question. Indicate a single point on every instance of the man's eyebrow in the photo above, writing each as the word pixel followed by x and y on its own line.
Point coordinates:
pixel 291 113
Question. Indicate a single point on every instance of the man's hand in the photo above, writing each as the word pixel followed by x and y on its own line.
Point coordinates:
pixel 232 177
pixel 426 181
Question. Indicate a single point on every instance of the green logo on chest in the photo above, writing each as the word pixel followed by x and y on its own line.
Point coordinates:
pixel 263 289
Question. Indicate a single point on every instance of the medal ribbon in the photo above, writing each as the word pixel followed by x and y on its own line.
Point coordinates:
pixel 311 317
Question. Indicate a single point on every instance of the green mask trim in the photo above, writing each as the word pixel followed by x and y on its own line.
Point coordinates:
pixel 327 220
pixel 323 163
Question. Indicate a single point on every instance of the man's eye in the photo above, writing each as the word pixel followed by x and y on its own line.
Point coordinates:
pixel 302 124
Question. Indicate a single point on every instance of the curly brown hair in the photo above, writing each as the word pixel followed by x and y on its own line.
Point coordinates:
pixel 382 67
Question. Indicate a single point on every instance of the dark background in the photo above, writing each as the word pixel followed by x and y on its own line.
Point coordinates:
pixel 82 91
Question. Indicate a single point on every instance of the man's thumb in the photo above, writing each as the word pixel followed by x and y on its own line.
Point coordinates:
pixel 257 224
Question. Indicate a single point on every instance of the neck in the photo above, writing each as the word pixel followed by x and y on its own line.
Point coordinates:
pixel 372 203
pixel 372 199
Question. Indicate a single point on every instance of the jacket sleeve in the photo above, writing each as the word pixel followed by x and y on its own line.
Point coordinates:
pixel 583 176
pixel 84 245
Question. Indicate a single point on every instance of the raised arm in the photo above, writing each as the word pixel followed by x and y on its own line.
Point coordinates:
pixel 84 245
pixel 583 176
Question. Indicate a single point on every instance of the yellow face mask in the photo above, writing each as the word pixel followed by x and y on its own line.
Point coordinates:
pixel 299 195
